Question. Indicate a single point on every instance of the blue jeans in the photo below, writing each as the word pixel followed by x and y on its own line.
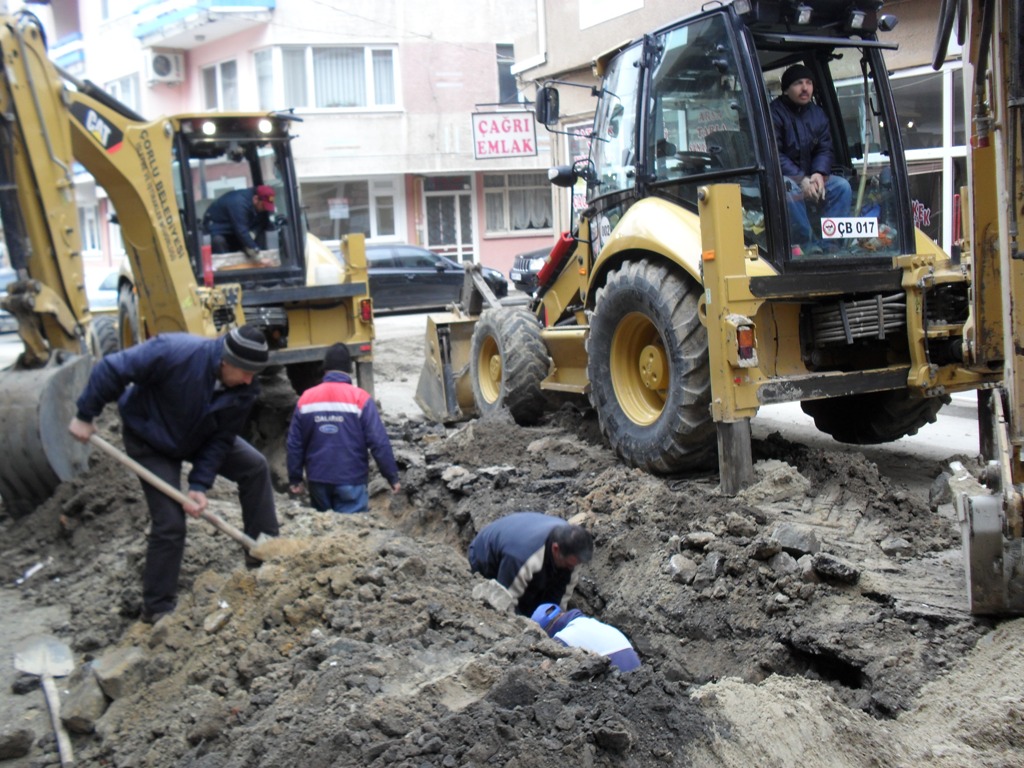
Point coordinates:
pixel 340 498
pixel 838 197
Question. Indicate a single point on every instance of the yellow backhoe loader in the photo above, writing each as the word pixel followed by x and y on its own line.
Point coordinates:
pixel 992 523
pixel 160 176
pixel 696 287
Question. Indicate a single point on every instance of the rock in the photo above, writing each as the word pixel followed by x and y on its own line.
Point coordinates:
pixel 697 539
pixel 833 568
pixel 895 546
pixel 615 737
pixel 806 567
pixel 763 548
pixel 682 569
pixel 457 478
pixel 710 569
pixel 796 539
pixel 494 594
pixel 216 621
pixel 777 481
pixel 84 705
pixel 783 563
pixel 940 493
pixel 739 525
pixel 15 742
pixel 120 671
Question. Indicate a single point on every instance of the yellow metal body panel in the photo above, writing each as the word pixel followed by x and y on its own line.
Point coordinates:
pixel 32 100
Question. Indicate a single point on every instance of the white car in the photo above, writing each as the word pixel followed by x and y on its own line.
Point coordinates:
pixel 101 290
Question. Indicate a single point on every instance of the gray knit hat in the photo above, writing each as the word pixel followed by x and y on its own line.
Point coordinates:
pixel 246 348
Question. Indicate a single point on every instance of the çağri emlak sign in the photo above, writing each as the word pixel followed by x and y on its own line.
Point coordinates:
pixel 498 134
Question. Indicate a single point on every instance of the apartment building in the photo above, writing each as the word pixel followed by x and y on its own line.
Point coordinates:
pixel 412 127
pixel 570 34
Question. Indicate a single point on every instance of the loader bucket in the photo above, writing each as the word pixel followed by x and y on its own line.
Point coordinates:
pixel 36 406
pixel 445 391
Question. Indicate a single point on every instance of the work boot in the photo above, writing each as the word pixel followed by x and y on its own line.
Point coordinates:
pixel 252 563
pixel 153 618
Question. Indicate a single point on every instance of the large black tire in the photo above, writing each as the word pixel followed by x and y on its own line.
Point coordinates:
pixel 647 360
pixel 873 417
pixel 103 339
pixel 507 363
pixel 127 318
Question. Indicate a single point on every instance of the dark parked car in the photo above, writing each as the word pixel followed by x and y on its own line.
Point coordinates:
pixel 525 268
pixel 409 277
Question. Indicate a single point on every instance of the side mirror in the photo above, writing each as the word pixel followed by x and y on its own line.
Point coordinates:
pixel 546 109
pixel 562 175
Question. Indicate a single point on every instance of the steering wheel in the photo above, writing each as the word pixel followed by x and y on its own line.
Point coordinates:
pixel 696 161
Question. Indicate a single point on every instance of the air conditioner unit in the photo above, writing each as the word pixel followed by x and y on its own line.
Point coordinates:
pixel 165 66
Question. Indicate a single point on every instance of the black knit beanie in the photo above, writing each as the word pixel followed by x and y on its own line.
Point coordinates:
pixel 794 73
pixel 246 348
pixel 338 358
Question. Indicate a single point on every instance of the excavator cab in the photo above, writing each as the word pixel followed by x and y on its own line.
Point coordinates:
pixel 221 153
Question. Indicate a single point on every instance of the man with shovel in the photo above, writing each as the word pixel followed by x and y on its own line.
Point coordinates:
pixel 185 398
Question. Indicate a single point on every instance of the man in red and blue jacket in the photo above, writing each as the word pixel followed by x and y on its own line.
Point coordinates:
pixel 334 425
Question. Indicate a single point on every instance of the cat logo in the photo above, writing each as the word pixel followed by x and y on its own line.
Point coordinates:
pixel 106 134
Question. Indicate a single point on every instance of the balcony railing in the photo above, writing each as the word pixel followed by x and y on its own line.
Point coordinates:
pixel 187 24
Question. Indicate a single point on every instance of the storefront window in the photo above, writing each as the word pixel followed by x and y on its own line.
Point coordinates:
pixel 338 208
pixel 919 103
pixel 959 130
pixel 335 209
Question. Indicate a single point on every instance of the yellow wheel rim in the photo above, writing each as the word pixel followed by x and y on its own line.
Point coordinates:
pixel 639 369
pixel 489 367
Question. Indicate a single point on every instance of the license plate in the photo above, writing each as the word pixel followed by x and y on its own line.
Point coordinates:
pixel 861 226
pixel 516 276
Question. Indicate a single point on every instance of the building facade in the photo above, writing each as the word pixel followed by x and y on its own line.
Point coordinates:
pixel 403 104
pixel 412 127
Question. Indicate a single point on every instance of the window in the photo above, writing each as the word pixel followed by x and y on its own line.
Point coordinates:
pixel 338 77
pixel 220 86
pixel 507 91
pixel 338 208
pixel 517 202
pixel 264 61
pixel 126 90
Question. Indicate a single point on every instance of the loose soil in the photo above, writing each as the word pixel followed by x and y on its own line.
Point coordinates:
pixel 362 646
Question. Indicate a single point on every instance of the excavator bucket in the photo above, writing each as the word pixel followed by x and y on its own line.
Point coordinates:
pixel 36 406
pixel 445 389
pixel 445 392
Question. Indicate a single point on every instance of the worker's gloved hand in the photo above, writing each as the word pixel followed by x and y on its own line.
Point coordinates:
pixel 494 594
pixel 252 253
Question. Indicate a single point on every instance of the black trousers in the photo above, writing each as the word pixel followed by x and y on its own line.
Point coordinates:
pixel 243 465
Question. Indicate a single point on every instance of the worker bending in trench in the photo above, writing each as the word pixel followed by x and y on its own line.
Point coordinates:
pixel 185 398
pixel 532 556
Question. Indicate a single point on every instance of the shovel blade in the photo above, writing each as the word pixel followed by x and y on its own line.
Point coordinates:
pixel 43 655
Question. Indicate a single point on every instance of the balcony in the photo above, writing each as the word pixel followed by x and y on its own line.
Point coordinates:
pixel 186 24
pixel 69 54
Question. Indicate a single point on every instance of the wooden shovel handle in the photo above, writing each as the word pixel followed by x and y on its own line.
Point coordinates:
pixel 67 758
pixel 161 485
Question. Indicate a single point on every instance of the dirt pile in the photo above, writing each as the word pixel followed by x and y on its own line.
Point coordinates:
pixel 818 618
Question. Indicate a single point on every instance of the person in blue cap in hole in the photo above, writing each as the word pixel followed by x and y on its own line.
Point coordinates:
pixel 577 630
